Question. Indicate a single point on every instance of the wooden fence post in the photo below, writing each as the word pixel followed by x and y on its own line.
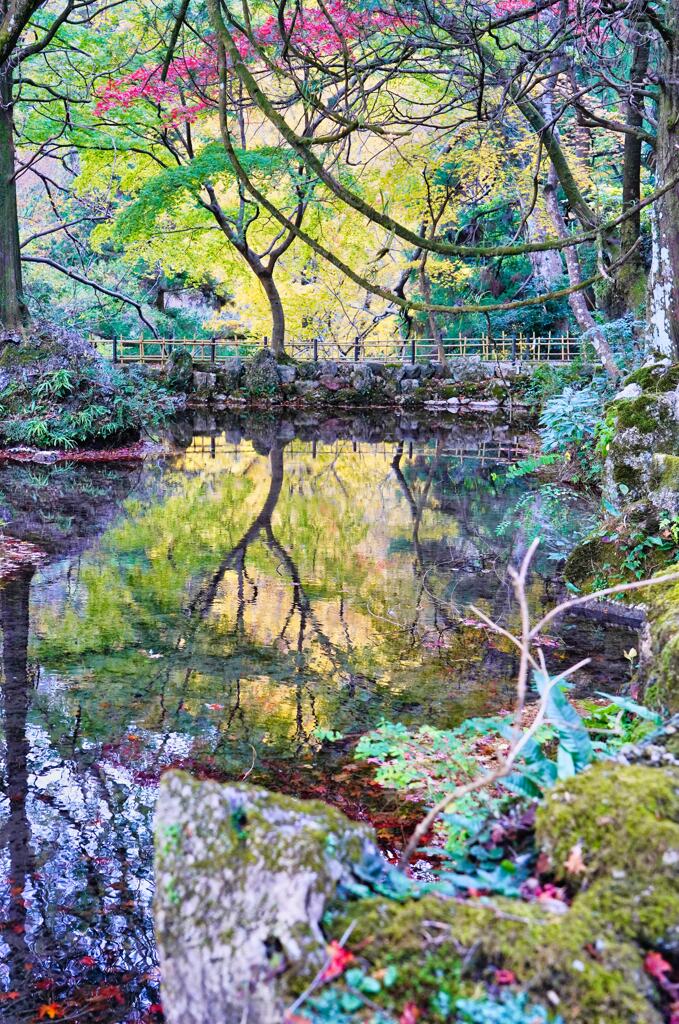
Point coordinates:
pixel 115 350
pixel 315 348
pixel 413 350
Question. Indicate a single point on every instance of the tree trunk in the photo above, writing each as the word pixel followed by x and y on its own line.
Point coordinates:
pixel 663 285
pixel 630 280
pixel 14 619
pixel 12 307
pixel 436 334
pixel 577 300
pixel 277 314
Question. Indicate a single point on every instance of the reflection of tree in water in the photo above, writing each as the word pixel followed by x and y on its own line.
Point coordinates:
pixel 64 874
pixel 180 578
pixel 16 830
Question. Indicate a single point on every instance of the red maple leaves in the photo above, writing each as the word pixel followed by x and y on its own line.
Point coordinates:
pixel 339 959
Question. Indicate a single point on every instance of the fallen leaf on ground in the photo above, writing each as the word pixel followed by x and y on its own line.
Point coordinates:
pixel 656 965
pixel 339 960
pixel 50 1011
pixel 575 863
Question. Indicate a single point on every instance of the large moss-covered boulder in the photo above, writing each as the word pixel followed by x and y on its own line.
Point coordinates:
pixel 611 834
pixel 242 879
pixel 644 425
pixel 660 647
pixel 178 369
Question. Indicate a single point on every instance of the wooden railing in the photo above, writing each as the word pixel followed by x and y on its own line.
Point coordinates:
pixel 530 348
pixel 485 453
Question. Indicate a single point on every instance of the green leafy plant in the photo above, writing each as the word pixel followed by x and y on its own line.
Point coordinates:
pixel 56 384
pixel 508 1008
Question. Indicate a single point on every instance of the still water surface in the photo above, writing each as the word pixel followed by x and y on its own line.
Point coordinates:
pixel 221 609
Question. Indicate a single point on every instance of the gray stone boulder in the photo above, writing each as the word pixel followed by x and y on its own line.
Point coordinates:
pixel 308 390
pixel 261 379
pixel 231 374
pixel 409 371
pixel 409 386
pixel 642 459
pixel 242 880
pixel 178 370
pixel 362 379
pixel 204 382
pixel 287 373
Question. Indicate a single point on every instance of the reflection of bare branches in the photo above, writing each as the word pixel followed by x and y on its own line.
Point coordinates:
pixel 417 509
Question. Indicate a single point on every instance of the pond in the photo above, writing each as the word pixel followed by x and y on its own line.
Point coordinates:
pixel 228 608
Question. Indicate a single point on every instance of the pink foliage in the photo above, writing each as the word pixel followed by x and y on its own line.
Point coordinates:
pixel 190 84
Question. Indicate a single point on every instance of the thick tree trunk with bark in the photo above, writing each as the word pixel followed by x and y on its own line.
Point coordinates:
pixel 663 285
pixel 630 280
pixel 12 307
pixel 577 300
pixel 277 313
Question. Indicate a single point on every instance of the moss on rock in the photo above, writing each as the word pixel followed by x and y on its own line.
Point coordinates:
pixel 625 821
pixel 660 653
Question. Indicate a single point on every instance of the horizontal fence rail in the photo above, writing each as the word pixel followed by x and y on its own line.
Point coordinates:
pixel 529 348
pixel 486 453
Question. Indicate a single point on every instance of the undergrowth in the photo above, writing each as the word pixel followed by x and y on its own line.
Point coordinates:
pixel 69 408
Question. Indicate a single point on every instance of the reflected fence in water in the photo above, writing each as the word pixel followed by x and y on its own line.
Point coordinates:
pixel 483 453
pixel 524 348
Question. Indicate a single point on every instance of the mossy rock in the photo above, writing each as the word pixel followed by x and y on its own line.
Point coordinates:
pixel 624 820
pixel 644 425
pixel 242 878
pixel 588 559
pixel 647 413
pixel 261 380
pixel 660 650
pixel 658 378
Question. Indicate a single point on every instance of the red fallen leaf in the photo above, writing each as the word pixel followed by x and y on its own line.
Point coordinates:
pixel 339 960
pixel 155 1008
pixel 411 1014
pixel 503 977
pixel 44 983
pixel 87 961
pixel 18 929
pixel 107 994
pixel 296 1019
pixel 50 1011
pixel 215 707
pixel 656 966
pixel 9 995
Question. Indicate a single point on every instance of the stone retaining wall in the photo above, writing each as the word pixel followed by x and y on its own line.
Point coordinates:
pixel 262 381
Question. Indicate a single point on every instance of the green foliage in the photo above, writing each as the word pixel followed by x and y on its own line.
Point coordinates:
pixel 548 380
pixel 165 191
pixel 640 551
pixel 619 722
pixel 571 417
pixel 508 1008
pixel 55 385
pixel 570 423
pixel 68 408
pixel 543 512
pixel 526 467
pixel 429 763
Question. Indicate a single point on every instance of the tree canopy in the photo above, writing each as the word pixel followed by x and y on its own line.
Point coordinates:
pixel 342 168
